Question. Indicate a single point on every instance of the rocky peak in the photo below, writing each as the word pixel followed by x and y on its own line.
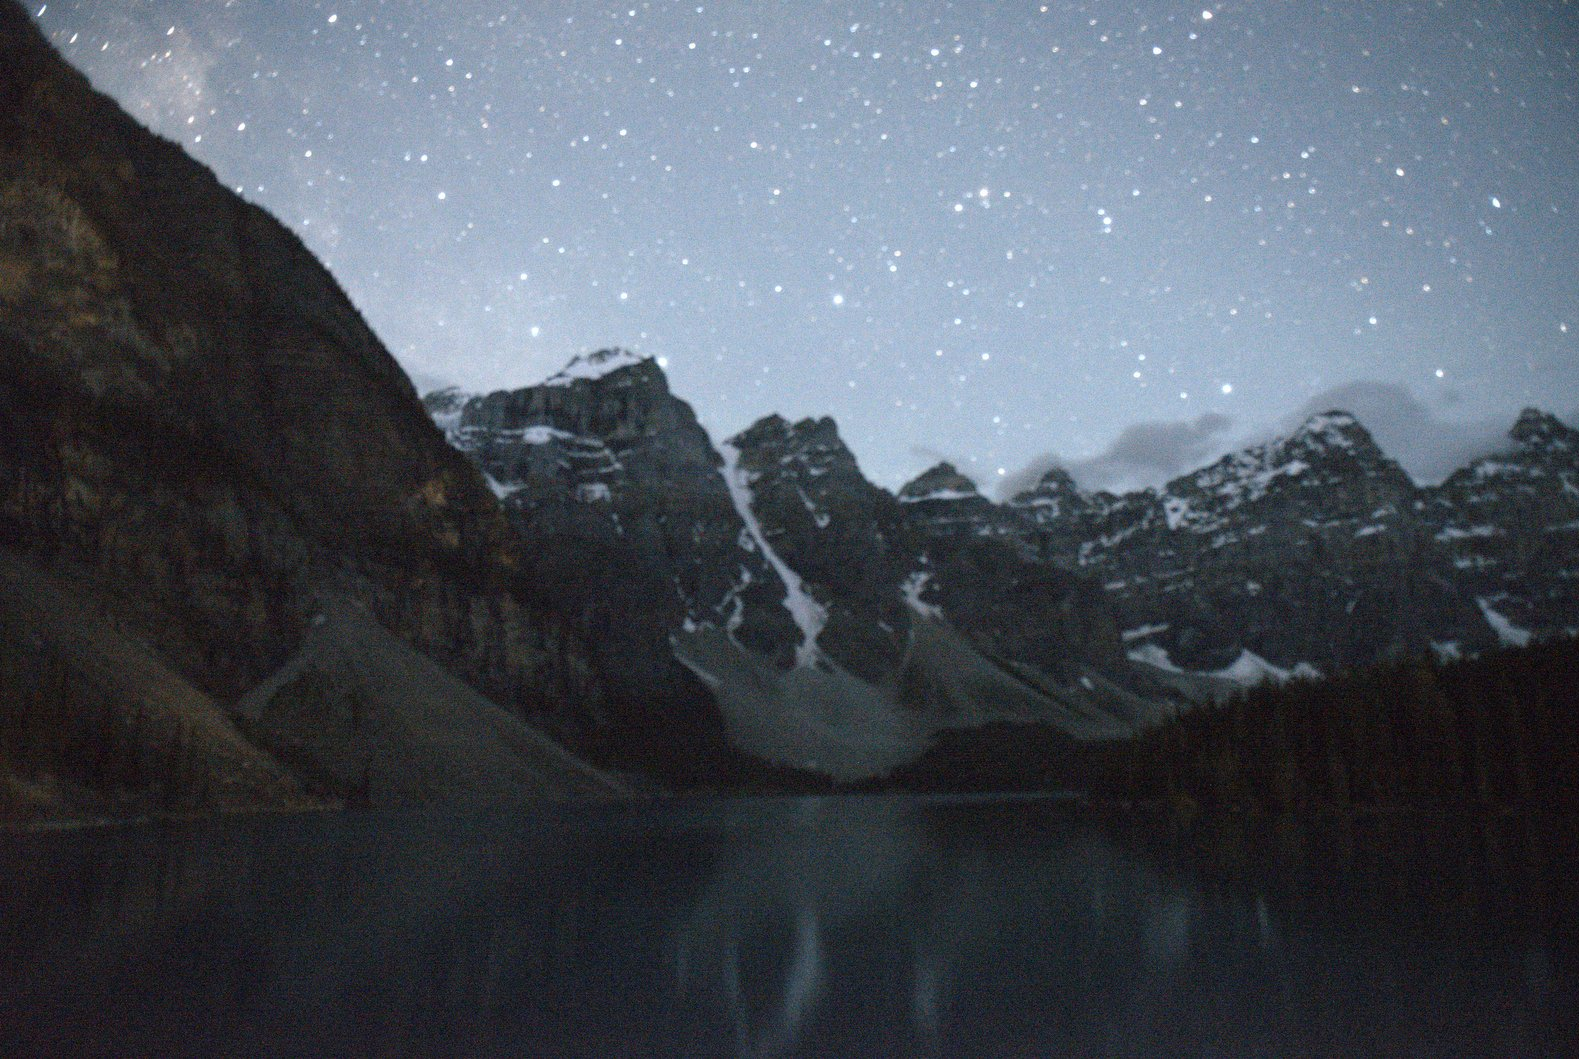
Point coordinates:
pixel 1334 439
pixel 1511 522
pixel 580 429
pixel 1330 468
pixel 1332 429
pixel 1054 498
pixel 941 482
pixel 844 538
pixel 1542 431
pixel 591 367
pixel 944 504
pixel 810 450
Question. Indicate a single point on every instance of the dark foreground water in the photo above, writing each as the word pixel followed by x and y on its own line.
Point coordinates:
pixel 815 927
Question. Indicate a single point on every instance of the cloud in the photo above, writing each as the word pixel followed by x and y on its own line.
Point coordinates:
pixel 1016 482
pixel 1144 454
pixel 932 456
pixel 1428 447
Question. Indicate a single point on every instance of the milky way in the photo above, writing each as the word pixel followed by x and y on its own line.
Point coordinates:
pixel 984 230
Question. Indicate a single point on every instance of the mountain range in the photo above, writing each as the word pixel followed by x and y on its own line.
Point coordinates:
pixel 840 627
pixel 243 564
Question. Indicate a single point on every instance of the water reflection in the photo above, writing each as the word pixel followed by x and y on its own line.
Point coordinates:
pixel 834 926
pixel 812 868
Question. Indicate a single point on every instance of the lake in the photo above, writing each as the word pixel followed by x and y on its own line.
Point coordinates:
pixel 860 926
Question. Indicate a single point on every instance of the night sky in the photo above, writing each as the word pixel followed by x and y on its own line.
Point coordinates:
pixel 985 230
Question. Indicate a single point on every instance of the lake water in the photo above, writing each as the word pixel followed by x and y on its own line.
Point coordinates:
pixel 810 927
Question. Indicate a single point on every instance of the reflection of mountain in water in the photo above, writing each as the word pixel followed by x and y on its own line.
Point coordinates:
pixel 797 927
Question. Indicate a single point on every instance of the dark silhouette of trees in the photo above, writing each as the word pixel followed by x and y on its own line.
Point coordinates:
pixel 1499 730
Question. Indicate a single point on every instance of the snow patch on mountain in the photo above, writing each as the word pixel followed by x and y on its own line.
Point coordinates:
pixel 589 366
pixel 912 589
pixel 809 615
pixel 1509 633
pixel 1458 533
pixel 539 435
pixel 940 494
pixel 1248 670
pixel 1251 669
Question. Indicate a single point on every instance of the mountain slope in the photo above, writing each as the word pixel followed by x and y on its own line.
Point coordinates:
pixel 196 417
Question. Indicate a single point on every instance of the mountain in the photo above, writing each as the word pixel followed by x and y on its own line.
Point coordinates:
pixel 838 628
pixel 210 456
pixel 1510 521
pixel 634 535
pixel 243 566
pixel 1303 551
pixel 767 584
pixel 1318 550
pixel 1425 445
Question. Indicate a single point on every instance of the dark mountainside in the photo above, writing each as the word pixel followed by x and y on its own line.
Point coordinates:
pixel 212 469
pixel 1309 550
pixel 945 618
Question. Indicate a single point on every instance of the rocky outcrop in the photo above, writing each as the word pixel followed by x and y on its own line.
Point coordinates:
pixel 195 416
pixel 943 504
pixel 1510 522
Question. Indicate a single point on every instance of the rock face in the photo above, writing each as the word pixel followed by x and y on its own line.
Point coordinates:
pixel 1318 550
pixel 634 536
pixel 943 504
pixel 1510 522
pixel 768 582
pixel 1304 550
pixel 844 537
pixel 196 417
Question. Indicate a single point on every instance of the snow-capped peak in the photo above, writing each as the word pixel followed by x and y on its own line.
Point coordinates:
pixel 1335 429
pixel 942 482
pixel 588 366
pixel 1540 430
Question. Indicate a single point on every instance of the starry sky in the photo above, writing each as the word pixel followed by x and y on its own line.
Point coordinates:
pixel 990 230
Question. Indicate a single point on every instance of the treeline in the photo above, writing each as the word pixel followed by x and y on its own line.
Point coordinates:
pixel 68 740
pixel 1500 730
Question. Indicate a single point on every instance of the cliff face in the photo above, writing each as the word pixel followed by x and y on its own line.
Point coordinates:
pixel 634 537
pixel 844 537
pixel 1308 549
pixel 1510 522
pixel 766 583
pixel 195 416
